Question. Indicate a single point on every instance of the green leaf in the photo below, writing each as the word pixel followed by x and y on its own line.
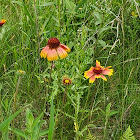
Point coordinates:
pixel 97 15
pixel 3 58
pixel 81 4
pixel 112 113
pixel 99 18
pixel 37 120
pixel 68 115
pixel 0 87
pixel 18 2
pixel 86 128
pixel 90 136
pixel 71 100
pixel 28 14
pixel 101 110
pixel 105 28
pixel 108 108
pixel 18 132
pixel 29 117
pixel 39 79
pixel 44 132
pixel 47 4
pixel 70 6
pixel 128 135
pixel 103 43
pixel 7 121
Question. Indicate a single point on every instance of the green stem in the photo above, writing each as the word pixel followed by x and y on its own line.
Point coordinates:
pixel 63 102
pixel 105 127
pixel 92 100
pixel 46 93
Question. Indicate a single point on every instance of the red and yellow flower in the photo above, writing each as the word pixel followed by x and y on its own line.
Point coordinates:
pixel 53 49
pixel 66 81
pixel 2 22
pixel 98 72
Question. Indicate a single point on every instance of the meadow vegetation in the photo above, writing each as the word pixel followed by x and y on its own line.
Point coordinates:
pixel 34 102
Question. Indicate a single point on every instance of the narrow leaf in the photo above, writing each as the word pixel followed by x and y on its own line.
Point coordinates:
pixel 108 108
pixel 112 113
pixel 28 14
pixel 18 132
pixel 37 120
pixel 70 6
pixel 47 4
pixel 4 123
pixel 43 132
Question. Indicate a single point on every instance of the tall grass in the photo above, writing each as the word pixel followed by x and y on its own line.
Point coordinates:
pixel 94 30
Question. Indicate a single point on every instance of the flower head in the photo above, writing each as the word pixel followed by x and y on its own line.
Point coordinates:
pixel 53 49
pixel 2 22
pixel 98 72
pixel 133 14
pixel 66 81
pixel 21 72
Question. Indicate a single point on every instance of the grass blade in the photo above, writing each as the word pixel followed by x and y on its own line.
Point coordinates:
pixel 4 123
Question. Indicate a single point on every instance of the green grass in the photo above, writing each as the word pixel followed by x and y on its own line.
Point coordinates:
pixel 94 30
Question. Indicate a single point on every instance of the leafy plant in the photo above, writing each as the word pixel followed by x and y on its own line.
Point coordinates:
pixel 5 124
pixel 107 31
pixel 128 134
pixel 90 136
pixel 33 127
pixel 108 113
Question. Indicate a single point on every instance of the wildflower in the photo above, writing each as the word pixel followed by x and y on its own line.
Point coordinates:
pixel 133 14
pixel 2 22
pixel 21 72
pixel 98 72
pixel 66 81
pixel 53 49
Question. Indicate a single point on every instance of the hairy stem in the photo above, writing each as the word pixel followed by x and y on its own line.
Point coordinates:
pixel 92 100
pixel 47 92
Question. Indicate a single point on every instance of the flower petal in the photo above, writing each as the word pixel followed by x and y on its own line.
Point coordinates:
pixel 2 22
pixel 97 63
pixel 52 55
pixel 89 73
pixel 66 48
pixel 97 76
pixel 92 79
pixel 44 52
pixel 62 53
pixel 108 67
pixel 103 77
pixel 107 72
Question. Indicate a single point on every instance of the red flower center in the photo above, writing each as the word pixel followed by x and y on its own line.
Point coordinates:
pixel 97 70
pixel 53 43
pixel 67 81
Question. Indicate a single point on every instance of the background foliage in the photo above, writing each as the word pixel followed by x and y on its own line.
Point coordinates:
pixel 106 30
